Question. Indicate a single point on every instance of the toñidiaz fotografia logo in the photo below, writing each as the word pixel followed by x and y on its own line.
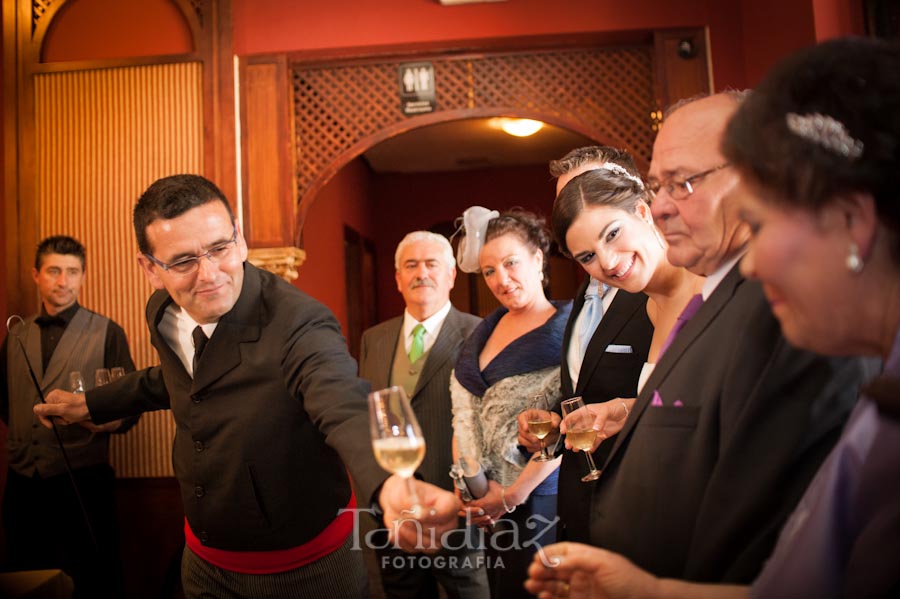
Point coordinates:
pixel 505 536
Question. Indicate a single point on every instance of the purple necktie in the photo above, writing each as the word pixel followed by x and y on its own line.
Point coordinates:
pixel 692 306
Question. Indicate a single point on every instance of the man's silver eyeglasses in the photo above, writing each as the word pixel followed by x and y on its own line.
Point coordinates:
pixel 191 264
pixel 678 188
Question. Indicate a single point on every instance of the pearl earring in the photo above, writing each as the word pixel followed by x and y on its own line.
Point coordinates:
pixel 854 261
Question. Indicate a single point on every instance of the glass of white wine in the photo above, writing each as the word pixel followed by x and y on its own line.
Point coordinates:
pixel 579 432
pixel 540 424
pixel 76 382
pixel 396 437
pixel 101 377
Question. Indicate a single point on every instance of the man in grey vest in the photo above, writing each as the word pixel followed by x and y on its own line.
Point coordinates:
pixel 63 338
pixel 417 351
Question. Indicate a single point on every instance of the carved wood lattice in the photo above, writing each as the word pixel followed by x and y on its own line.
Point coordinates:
pixel 606 92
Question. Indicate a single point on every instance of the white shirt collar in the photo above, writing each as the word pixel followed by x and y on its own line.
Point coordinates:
pixel 177 328
pixel 713 280
pixel 432 326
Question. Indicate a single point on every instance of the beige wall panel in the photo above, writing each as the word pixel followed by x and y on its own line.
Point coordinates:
pixel 102 136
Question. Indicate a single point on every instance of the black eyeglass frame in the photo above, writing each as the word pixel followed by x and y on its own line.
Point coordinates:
pixel 685 186
pixel 210 255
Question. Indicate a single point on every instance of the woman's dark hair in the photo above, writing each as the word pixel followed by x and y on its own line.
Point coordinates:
pixel 825 121
pixel 618 186
pixel 528 227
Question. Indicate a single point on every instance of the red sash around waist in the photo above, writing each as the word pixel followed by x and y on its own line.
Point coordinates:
pixel 281 560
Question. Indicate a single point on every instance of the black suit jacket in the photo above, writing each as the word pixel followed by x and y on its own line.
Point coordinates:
pixel 264 429
pixel 603 376
pixel 431 399
pixel 700 491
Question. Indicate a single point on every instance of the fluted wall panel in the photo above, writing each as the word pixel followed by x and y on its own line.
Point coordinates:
pixel 102 136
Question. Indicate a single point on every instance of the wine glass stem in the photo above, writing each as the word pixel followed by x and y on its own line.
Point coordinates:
pixel 413 496
pixel 590 460
pixel 544 453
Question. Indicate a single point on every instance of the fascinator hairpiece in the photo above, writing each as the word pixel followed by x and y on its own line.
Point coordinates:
pixel 474 226
pixel 826 132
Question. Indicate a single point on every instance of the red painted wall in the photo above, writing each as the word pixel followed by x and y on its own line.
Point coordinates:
pixel 772 29
pixel 834 18
pixel 347 199
pixel 93 29
pixel 287 25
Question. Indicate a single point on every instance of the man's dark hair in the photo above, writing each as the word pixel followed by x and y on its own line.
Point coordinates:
pixel 58 244
pixel 171 197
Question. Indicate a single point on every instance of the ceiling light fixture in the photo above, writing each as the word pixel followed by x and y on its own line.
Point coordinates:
pixel 520 127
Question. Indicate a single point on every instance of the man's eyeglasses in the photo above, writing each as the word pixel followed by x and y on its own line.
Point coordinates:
pixel 677 188
pixel 191 264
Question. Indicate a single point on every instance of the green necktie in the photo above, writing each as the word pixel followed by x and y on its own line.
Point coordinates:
pixel 418 344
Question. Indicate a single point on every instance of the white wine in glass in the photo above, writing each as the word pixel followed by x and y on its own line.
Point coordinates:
pixel 540 425
pixel 580 432
pixel 76 382
pixel 396 436
pixel 101 377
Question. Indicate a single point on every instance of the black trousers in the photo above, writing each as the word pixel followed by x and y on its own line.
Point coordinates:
pixel 339 575
pixel 514 542
pixel 45 528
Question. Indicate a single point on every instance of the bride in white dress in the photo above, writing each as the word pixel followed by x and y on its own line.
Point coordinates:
pixel 601 218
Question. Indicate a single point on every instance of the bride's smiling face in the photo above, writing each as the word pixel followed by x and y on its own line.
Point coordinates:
pixel 616 247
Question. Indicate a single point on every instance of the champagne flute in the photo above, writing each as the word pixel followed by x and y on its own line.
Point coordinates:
pixel 116 372
pixel 101 377
pixel 540 425
pixel 396 437
pixel 76 382
pixel 579 432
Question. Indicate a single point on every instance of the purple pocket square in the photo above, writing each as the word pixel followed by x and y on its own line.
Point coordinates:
pixel 657 400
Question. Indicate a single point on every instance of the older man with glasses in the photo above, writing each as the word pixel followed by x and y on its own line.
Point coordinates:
pixel 733 422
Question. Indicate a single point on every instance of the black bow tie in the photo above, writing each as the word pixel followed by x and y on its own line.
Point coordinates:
pixel 46 321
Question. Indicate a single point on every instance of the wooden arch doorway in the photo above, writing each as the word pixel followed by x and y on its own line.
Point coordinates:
pixel 339 107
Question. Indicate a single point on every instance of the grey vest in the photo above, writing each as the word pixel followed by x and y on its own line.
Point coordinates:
pixel 403 373
pixel 32 447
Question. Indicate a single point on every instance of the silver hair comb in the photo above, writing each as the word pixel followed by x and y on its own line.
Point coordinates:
pixel 620 170
pixel 826 132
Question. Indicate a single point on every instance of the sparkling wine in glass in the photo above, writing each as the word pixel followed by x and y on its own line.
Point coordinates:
pixel 101 377
pixel 396 437
pixel 76 382
pixel 540 424
pixel 579 432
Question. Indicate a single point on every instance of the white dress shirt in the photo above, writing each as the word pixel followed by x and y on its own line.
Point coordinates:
pixel 177 328
pixel 574 353
pixel 432 326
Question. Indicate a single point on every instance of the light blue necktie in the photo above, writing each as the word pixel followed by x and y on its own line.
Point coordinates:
pixel 593 312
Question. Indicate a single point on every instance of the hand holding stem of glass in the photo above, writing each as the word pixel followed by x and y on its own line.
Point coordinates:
pixel 580 432
pixel 540 424
pixel 396 437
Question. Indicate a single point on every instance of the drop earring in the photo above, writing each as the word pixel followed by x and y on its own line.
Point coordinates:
pixel 854 261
